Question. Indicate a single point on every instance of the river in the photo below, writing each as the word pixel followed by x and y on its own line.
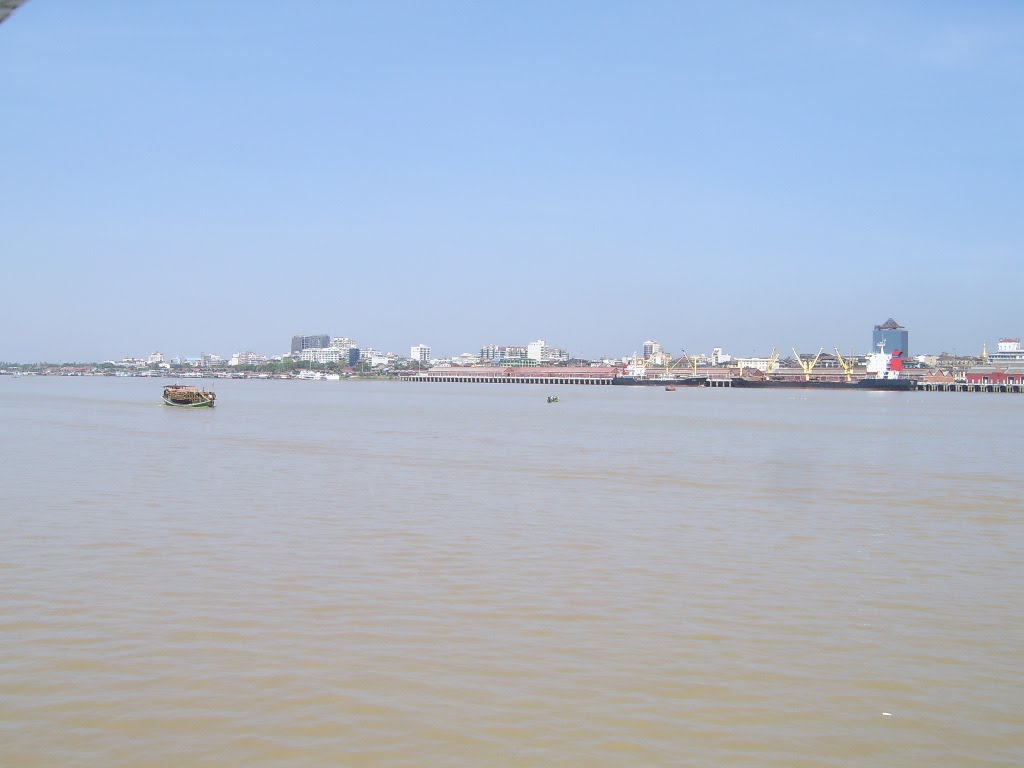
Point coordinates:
pixel 383 574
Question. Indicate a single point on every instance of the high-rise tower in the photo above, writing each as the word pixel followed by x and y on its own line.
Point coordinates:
pixel 300 343
pixel 894 335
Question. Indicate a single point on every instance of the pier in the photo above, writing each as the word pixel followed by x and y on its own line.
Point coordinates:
pixel 963 386
pixel 597 376
pixel 603 376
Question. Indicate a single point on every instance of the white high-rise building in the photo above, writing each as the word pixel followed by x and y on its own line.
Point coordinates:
pixel 537 350
pixel 651 348
pixel 420 353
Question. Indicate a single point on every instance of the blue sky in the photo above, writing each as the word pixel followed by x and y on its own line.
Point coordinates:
pixel 213 177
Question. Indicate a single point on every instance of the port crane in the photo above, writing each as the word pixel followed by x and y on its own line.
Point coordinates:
pixel 672 366
pixel 690 361
pixel 773 363
pixel 808 367
pixel 846 364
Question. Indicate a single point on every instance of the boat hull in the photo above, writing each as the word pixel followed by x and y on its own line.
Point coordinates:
pixel 180 396
pixel 882 385
pixel 204 404
pixel 683 381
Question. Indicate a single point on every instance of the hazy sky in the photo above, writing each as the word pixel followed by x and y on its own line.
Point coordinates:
pixel 212 177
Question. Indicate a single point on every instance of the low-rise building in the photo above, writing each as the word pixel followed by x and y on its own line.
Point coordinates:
pixel 493 353
pixel 755 363
pixel 994 374
pixel 246 358
pixel 325 355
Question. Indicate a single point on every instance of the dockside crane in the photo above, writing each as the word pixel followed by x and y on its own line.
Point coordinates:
pixel 691 361
pixel 808 367
pixel 846 365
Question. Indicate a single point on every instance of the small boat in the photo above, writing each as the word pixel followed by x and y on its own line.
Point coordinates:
pixel 670 387
pixel 188 397
pixel 552 398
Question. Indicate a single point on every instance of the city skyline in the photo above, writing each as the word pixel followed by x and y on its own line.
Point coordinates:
pixel 868 344
pixel 192 177
pixel 490 351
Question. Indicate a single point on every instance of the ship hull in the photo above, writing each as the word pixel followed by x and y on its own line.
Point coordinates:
pixel 883 385
pixel 684 381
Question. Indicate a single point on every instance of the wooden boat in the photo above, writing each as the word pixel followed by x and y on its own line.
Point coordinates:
pixel 188 397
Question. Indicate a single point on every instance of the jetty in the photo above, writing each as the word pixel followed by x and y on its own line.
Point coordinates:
pixel 590 376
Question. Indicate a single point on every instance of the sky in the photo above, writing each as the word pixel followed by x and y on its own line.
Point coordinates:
pixel 216 177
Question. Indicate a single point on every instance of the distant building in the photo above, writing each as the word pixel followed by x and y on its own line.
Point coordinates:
pixel 1007 350
pixel 654 354
pixel 156 358
pixel 537 351
pixel 893 335
pixel 420 353
pixel 246 358
pixel 329 354
pixel 375 358
pixel 718 357
pixel 992 374
pixel 498 354
pixel 300 343
pixel 762 364
pixel 348 351
pixel 556 355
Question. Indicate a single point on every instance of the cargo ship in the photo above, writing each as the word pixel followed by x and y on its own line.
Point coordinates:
pixel 635 375
pixel 883 373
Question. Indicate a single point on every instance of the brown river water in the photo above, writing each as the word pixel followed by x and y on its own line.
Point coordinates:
pixel 389 574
